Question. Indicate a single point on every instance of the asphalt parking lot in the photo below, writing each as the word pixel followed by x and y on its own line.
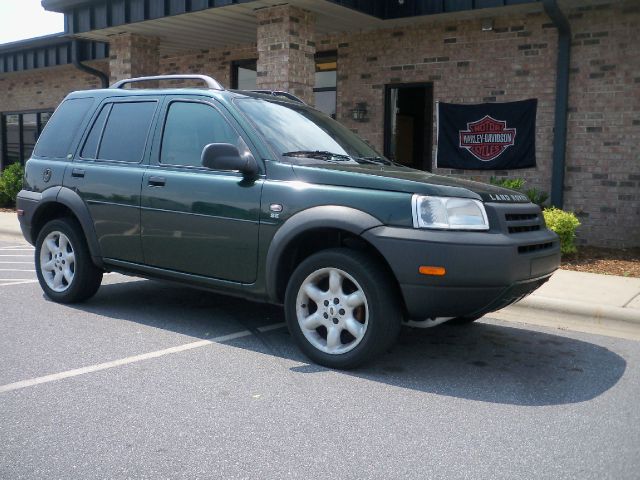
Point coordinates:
pixel 149 380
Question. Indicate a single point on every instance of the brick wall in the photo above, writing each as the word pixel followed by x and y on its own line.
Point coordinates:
pixel 515 61
pixel 603 152
pixel 213 62
pixel 44 89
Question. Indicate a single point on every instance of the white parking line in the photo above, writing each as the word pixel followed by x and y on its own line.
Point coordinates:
pixel 127 360
pixel 20 255
pixel 29 263
pixel 15 282
pixel 14 270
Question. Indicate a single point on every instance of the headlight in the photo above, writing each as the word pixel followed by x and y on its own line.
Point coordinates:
pixel 448 213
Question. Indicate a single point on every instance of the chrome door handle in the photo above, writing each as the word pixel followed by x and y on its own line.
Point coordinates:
pixel 157 181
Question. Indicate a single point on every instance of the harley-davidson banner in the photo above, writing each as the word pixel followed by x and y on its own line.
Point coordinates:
pixel 487 136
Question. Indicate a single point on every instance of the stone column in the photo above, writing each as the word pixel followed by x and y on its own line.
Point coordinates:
pixel 132 55
pixel 286 50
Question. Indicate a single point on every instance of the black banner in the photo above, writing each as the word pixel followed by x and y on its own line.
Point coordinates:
pixel 487 136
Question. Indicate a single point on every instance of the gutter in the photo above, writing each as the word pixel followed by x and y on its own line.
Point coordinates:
pixel 75 59
pixel 559 20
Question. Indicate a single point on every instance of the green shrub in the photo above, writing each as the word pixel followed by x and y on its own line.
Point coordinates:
pixel 510 183
pixel 565 225
pixel 535 196
pixel 10 184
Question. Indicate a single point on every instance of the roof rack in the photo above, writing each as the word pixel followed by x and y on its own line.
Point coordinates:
pixel 211 83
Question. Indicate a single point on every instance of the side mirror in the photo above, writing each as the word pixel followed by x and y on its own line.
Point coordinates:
pixel 224 156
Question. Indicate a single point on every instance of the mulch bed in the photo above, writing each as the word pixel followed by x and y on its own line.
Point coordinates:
pixel 607 261
pixel 7 210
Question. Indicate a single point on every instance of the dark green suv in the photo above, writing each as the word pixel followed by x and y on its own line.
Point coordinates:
pixel 259 196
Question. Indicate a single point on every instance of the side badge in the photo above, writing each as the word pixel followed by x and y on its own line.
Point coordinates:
pixel 46 175
pixel 275 209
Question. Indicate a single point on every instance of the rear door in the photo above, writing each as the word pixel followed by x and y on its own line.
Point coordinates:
pixel 197 220
pixel 107 173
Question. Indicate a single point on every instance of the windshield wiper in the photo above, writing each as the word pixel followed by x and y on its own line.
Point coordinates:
pixel 320 154
pixel 375 160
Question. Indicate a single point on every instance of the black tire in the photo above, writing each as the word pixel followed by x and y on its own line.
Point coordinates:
pixel 86 277
pixel 464 320
pixel 381 301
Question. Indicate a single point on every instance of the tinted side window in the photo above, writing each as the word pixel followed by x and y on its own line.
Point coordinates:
pixel 188 128
pixel 126 131
pixel 57 136
pixel 90 149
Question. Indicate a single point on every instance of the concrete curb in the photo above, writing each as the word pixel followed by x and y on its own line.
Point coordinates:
pixel 11 235
pixel 9 226
pixel 592 311
pixel 565 314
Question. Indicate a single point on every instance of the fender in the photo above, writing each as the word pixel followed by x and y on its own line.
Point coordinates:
pixel 327 216
pixel 74 202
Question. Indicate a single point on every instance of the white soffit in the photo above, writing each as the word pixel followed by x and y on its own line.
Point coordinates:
pixel 237 24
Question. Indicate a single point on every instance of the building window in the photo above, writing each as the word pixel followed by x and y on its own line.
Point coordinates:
pixel 326 82
pixel 244 74
pixel 18 134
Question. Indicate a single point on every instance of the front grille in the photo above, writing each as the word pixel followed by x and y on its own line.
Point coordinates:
pixel 515 217
pixel 524 228
pixel 535 247
pixel 522 222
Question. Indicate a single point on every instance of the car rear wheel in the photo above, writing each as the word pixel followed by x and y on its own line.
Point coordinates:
pixel 63 263
pixel 341 309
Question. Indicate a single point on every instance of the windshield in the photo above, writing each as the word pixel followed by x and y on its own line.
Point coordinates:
pixel 295 131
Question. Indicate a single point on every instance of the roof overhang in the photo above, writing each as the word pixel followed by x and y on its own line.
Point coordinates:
pixel 187 25
pixel 47 51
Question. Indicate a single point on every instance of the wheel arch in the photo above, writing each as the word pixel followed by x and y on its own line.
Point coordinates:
pixel 67 203
pixel 313 230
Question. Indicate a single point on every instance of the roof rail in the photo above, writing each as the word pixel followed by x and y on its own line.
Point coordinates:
pixel 211 83
pixel 279 93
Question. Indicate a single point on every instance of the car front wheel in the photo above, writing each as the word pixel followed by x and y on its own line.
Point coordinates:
pixel 341 308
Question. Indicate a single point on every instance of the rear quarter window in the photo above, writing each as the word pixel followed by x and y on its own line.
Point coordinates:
pixel 55 141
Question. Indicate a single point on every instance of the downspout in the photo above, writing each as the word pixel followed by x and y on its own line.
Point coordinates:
pixel 562 96
pixel 75 59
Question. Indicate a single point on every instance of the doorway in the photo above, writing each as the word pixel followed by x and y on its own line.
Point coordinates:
pixel 408 124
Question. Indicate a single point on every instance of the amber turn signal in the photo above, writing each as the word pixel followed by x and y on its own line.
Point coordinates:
pixel 437 271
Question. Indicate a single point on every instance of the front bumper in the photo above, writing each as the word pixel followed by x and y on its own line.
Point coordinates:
pixel 485 271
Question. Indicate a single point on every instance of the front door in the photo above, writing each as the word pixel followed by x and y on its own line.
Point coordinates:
pixel 408 124
pixel 196 220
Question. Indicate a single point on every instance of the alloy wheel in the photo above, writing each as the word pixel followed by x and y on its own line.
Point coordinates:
pixel 57 261
pixel 332 311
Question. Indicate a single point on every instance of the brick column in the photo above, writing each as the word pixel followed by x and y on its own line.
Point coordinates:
pixel 133 55
pixel 286 50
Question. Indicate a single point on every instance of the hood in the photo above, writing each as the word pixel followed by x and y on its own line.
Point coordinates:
pixel 402 179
